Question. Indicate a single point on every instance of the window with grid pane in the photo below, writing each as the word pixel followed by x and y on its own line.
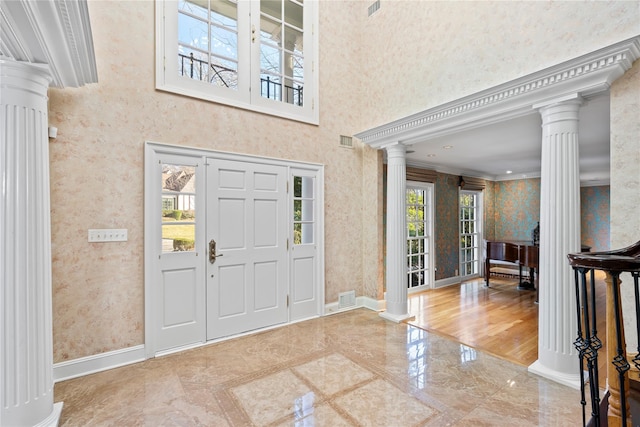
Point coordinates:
pixel 259 55
pixel 469 233
pixel 178 208
pixel 303 209
pixel 418 244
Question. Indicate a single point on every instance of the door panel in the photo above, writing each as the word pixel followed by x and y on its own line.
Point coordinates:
pixel 266 295
pixel 303 274
pixel 246 216
pixel 179 291
pixel 231 291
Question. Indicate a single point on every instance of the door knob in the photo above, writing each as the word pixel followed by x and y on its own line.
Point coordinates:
pixel 212 251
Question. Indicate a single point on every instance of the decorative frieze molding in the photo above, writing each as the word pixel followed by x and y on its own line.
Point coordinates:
pixel 57 33
pixel 586 75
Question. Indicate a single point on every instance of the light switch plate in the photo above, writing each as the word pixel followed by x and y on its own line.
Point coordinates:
pixel 107 235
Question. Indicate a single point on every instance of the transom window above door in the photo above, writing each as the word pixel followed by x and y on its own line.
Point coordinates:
pixel 259 55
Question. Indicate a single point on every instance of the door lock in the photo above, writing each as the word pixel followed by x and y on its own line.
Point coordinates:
pixel 212 251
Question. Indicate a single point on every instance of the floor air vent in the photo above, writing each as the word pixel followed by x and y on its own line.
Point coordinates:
pixel 347 299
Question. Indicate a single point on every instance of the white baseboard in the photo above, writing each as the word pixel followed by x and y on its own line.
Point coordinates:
pixel 361 302
pixel 372 304
pixel 98 362
pixel 113 359
pixel 446 282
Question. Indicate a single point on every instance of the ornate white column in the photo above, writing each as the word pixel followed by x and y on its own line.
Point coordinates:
pixel 559 235
pixel 26 381
pixel 396 276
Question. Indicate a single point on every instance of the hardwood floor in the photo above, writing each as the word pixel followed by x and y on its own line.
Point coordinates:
pixel 500 320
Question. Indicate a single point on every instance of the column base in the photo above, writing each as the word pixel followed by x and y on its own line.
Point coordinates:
pixel 397 317
pixel 570 380
pixel 54 417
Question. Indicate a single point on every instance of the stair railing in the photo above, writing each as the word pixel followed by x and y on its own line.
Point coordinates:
pixel 613 263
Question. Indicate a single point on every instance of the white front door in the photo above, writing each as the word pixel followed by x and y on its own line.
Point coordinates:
pixel 247 279
pixel 175 247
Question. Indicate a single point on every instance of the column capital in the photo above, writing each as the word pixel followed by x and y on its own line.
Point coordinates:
pixel 26 77
pixel 566 108
pixel 395 150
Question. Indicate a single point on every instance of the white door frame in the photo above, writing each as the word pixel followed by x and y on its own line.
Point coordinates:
pixel 152 223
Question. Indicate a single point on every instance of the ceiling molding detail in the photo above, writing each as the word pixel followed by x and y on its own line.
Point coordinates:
pixel 54 32
pixel 586 75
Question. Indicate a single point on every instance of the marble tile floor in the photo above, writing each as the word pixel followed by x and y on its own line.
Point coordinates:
pixel 348 369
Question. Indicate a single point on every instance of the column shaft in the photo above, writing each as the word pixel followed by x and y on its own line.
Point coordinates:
pixel 559 235
pixel 396 276
pixel 26 390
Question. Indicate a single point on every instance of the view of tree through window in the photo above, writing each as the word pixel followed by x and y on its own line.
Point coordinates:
pixel 209 39
pixel 417 200
pixel 303 207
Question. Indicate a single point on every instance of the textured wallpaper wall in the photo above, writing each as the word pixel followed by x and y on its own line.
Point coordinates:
pixel 447 244
pixel 517 208
pixel 408 56
pixel 595 217
pixel 517 211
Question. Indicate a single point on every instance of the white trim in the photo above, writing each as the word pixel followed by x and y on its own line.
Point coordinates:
pixel 570 380
pixel 397 318
pixel 57 33
pixel 54 417
pixel 361 302
pixel 371 304
pixel 98 362
pixel 587 75
pixel 447 282
pixel 417 289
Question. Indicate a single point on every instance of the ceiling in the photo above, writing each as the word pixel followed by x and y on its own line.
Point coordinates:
pixel 515 144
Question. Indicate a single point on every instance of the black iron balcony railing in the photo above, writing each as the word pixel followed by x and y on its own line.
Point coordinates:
pixel 198 69
pixel 273 90
pixel 613 263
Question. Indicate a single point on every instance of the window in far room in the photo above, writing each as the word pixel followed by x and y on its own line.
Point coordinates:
pixel 470 232
pixel 419 211
pixel 257 55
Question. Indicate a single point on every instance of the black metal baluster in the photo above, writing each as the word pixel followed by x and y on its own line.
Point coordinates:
pixel 636 359
pixel 580 345
pixel 594 345
pixel 191 74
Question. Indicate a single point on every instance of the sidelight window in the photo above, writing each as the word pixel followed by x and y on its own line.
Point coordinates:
pixel 303 210
pixel 178 208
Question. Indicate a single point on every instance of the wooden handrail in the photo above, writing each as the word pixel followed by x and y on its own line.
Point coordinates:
pixel 613 263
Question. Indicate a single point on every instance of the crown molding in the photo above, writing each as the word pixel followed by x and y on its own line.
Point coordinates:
pixel 585 75
pixel 54 32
